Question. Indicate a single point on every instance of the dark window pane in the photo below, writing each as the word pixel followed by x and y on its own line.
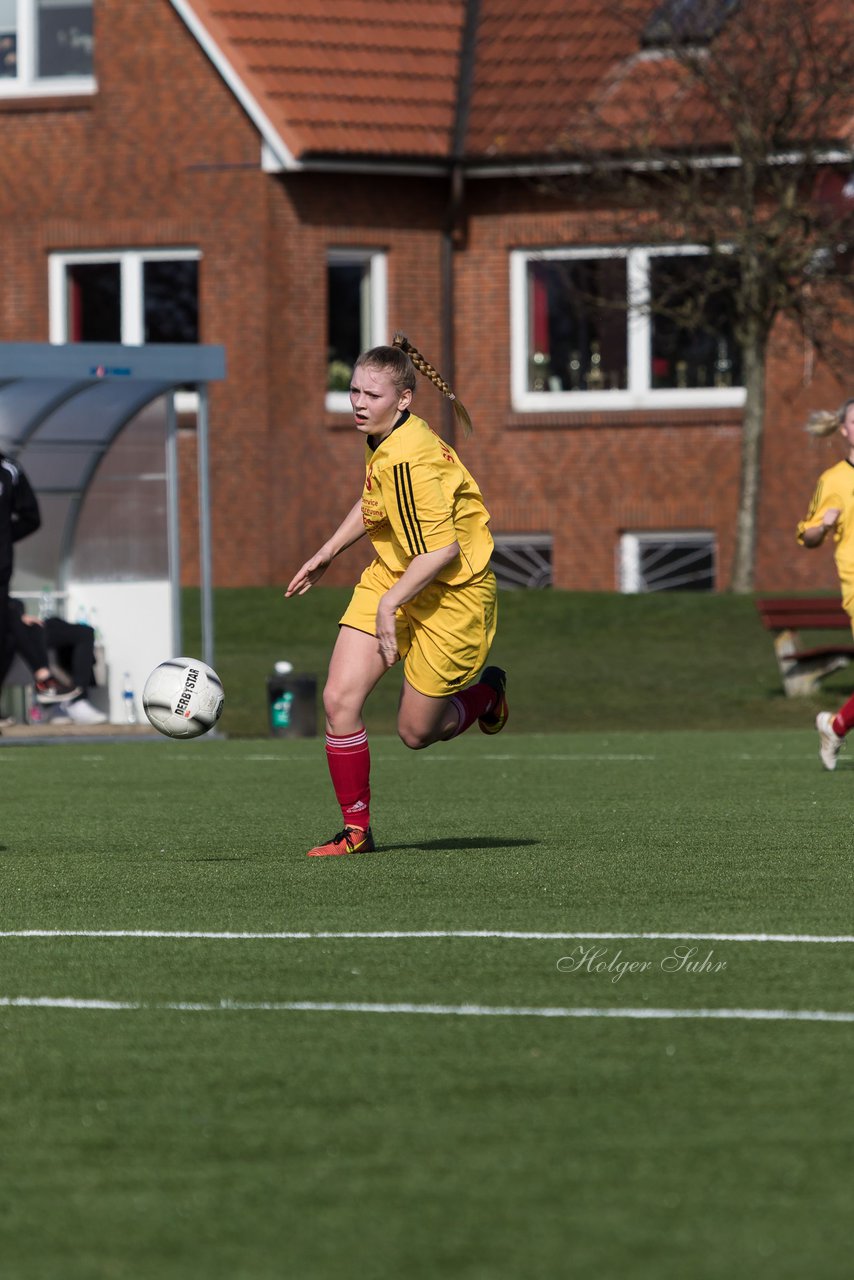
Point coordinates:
pixel 577 325
pixel 346 325
pixel 171 292
pixel 94 302
pixel 693 322
pixel 65 41
pixel 8 38
pixel 680 22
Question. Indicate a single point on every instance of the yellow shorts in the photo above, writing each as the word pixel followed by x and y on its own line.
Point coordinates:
pixel 848 599
pixel 443 635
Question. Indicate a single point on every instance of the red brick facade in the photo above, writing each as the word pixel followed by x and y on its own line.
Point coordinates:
pixel 164 155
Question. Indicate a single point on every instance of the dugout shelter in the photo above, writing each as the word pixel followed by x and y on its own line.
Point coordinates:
pixel 95 428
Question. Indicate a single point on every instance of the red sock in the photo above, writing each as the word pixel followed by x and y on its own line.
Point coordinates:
pixel 471 704
pixel 844 719
pixel 349 760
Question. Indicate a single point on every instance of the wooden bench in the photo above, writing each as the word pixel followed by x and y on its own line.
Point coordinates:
pixel 802 668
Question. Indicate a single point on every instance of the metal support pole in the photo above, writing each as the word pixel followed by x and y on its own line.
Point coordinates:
pixel 173 522
pixel 205 556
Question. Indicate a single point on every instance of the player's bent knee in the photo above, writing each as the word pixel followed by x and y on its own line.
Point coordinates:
pixel 413 739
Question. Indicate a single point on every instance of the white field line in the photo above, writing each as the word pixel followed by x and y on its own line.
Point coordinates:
pixel 440 1010
pixel 394 934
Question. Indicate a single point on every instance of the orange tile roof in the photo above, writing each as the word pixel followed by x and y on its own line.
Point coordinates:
pixel 381 79
pixel 375 77
pixel 536 64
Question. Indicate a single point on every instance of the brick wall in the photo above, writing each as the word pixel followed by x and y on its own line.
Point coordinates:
pixel 164 155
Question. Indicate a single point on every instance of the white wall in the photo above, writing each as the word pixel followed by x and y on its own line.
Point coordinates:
pixel 134 622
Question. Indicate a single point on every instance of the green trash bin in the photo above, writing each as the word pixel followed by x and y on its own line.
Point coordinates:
pixel 292 702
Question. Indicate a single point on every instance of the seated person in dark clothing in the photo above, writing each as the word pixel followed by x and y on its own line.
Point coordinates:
pixel 74 646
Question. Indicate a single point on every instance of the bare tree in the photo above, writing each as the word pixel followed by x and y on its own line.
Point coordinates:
pixel 729 127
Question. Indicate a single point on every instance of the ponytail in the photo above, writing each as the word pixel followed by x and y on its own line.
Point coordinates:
pixel 825 421
pixel 402 343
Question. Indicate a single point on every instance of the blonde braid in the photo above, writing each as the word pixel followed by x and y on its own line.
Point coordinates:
pixel 425 367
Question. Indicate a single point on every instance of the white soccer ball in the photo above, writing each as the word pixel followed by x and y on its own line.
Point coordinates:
pixel 183 698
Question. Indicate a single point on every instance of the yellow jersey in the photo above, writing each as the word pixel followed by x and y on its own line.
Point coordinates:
pixel 418 497
pixel 835 489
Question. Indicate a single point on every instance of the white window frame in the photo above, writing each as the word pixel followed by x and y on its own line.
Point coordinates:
pixel 639 394
pixel 27 84
pixel 377 260
pixel 132 263
pixel 629 549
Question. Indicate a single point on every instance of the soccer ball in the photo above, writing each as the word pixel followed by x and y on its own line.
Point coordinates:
pixel 183 698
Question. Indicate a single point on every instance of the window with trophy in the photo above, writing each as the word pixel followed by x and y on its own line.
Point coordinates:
pixel 624 328
pixel 46 46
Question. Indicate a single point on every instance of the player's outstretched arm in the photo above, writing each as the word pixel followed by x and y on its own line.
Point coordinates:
pixel 351 528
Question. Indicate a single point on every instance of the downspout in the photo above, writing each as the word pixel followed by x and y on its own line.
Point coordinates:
pixel 454 233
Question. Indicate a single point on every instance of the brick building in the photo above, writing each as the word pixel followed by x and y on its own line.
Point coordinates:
pixel 294 181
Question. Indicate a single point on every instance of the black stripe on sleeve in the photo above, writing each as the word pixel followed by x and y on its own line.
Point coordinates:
pixel 816 499
pixel 406 506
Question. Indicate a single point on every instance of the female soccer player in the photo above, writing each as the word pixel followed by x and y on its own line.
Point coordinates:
pixel 428 597
pixel 832 508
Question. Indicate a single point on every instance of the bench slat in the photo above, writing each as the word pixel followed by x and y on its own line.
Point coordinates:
pixel 832 651
pixel 803 613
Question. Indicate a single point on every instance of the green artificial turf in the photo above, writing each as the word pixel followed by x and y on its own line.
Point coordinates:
pixel 576 660
pixel 264 1142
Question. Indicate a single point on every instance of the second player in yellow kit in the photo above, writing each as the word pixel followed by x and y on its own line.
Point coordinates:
pixel 832 510
pixel 428 597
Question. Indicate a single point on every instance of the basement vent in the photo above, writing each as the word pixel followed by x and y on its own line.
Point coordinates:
pixel 522 560
pixel 667 562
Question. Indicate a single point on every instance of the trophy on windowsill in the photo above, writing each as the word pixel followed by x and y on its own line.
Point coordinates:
pixel 595 376
pixel 723 365
pixel 540 367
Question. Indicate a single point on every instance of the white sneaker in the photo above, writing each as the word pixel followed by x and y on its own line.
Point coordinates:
pixel 829 743
pixel 81 711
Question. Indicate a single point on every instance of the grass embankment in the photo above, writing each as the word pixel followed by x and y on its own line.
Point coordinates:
pixel 576 660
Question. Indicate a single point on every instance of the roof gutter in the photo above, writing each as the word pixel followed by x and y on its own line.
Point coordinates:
pixel 579 168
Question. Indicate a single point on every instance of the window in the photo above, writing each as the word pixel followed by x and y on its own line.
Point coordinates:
pixel 355 316
pixel 667 562
pixel 624 328
pixel 686 22
pixel 131 296
pixel 46 46
pixel 522 560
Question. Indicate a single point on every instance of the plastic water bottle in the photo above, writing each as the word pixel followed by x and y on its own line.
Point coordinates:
pixel 45 603
pixel 128 699
pixel 280 711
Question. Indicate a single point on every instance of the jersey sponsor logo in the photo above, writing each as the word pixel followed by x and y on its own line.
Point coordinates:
pixel 368 475
pixel 406 506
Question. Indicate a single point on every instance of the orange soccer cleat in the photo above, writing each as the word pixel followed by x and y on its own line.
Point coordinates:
pixel 350 840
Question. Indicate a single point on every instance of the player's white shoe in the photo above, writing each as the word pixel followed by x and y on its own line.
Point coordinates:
pixel 829 743
pixel 81 711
